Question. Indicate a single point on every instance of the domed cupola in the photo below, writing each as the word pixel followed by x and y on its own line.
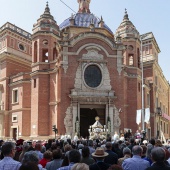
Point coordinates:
pixel 84 18
pixel 127 29
pixel 46 23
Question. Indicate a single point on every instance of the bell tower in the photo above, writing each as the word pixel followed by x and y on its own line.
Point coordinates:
pixel 44 57
pixel 130 38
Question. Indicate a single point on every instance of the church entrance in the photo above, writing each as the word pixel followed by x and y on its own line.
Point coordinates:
pixel 87 118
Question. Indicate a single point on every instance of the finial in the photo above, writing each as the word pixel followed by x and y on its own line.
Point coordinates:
pixel 72 16
pixel 47 9
pixel 97 118
pixel 101 18
pixel 126 15
pixel 125 11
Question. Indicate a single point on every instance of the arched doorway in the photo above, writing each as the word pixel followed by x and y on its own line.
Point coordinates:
pixel 87 118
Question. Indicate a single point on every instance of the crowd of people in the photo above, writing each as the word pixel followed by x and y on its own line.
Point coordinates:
pixel 83 154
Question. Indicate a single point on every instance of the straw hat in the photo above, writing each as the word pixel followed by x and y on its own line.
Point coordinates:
pixel 99 153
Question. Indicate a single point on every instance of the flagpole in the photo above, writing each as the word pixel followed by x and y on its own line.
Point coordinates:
pixel 143 123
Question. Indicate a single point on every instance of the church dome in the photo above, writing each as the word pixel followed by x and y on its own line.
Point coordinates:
pixel 127 29
pixel 83 18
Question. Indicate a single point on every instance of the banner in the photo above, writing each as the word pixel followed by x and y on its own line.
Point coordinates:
pixel 147 115
pixel 138 116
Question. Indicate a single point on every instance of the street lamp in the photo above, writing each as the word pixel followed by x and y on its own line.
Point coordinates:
pixel 159 113
pixel 143 110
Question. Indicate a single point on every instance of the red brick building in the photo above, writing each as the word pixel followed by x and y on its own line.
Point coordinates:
pixel 67 74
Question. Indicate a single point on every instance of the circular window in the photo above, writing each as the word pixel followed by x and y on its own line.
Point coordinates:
pixel 93 76
pixel 45 42
pixel 130 47
pixel 21 47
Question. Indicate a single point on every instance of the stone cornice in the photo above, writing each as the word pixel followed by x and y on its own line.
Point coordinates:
pixel 38 72
pixel 8 56
pixel 19 82
pixel 20 109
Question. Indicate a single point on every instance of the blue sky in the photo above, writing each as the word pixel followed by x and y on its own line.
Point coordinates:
pixel 146 15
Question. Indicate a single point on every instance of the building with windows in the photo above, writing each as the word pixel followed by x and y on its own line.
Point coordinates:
pixel 67 74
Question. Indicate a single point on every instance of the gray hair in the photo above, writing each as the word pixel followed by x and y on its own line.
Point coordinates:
pixel 126 151
pixel 137 150
pixel 30 156
pixel 7 148
pixel 78 166
pixel 158 154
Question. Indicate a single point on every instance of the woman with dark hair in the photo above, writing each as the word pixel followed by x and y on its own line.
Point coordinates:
pixel 86 156
pixel 29 166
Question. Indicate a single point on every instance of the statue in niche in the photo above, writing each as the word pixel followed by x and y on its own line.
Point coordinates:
pixel 116 121
pixel 68 121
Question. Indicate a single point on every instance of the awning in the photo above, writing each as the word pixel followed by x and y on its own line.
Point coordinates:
pixel 164 115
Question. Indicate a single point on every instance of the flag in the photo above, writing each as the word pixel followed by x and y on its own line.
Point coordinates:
pixel 147 115
pixel 138 116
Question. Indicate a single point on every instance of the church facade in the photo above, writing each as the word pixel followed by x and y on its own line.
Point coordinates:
pixel 68 74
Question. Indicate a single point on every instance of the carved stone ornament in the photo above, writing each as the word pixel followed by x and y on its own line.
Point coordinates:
pixel 92 55
pixel 116 119
pixel 68 121
pixel 95 59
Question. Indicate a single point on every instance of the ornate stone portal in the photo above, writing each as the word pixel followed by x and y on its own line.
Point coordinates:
pixel 72 120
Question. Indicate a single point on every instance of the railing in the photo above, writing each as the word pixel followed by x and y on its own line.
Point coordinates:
pixel 16 29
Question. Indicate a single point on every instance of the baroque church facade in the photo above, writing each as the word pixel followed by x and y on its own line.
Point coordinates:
pixel 67 74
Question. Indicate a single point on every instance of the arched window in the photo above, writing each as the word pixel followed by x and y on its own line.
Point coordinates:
pixel 131 60
pixel 45 56
pixel 35 52
pixel 54 51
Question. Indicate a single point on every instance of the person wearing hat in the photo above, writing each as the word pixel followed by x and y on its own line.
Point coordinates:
pixel 99 156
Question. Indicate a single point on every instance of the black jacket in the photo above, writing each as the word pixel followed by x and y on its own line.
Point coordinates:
pixel 112 158
pixel 159 166
pixel 99 166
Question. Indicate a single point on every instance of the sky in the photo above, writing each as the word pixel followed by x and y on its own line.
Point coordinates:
pixel 146 15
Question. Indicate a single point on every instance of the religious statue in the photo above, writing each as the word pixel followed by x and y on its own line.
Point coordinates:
pixel 68 121
pixel 84 5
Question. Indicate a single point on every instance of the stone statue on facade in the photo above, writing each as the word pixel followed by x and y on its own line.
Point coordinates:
pixel 68 121
pixel 84 5
pixel 116 121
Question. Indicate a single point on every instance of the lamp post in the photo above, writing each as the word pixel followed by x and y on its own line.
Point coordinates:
pixel 108 120
pixel 77 125
pixel 142 88
pixel 159 113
